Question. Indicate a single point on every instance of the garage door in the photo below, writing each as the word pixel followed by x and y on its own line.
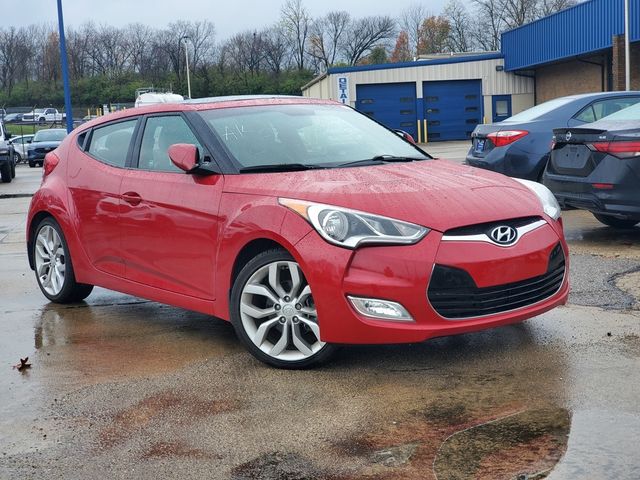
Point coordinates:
pixel 392 104
pixel 452 108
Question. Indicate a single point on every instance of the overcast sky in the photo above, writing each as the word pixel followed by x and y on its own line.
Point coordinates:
pixel 229 17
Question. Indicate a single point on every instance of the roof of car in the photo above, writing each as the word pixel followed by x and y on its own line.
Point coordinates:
pixel 209 103
pixel 603 94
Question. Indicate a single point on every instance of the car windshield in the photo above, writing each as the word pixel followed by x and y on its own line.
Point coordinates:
pixel 629 113
pixel 304 135
pixel 540 110
pixel 50 136
pixel 39 110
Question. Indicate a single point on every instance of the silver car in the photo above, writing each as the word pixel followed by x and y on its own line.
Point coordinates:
pixel 20 143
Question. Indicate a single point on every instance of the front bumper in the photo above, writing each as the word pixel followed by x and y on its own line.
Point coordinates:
pixel 402 274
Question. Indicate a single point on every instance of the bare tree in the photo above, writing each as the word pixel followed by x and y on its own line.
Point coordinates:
pixel 547 7
pixel 276 50
pixel 460 38
pixel 364 34
pixel 518 12
pixel 327 35
pixel 410 21
pixel 296 22
pixel 14 50
pixel 490 24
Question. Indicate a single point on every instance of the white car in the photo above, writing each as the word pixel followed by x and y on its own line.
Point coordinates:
pixel 20 143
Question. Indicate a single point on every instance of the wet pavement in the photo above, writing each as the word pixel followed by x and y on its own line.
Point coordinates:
pixel 124 388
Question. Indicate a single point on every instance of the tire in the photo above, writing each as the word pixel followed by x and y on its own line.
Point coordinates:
pixel 31 164
pixel 615 222
pixel 5 172
pixel 13 170
pixel 290 340
pixel 57 283
pixel 42 121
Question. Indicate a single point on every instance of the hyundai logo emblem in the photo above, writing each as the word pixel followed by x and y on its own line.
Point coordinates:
pixel 504 235
pixel 567 137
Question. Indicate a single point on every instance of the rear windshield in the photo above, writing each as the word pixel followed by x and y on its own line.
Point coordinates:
pixel 50 136
pixel 321 135
pixel 540 110
pixel 629 113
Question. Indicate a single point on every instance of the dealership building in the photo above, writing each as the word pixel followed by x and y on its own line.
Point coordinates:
pixel 443 97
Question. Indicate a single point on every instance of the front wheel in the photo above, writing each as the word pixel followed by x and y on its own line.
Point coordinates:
pixel 615 222
pixel 274 315
pixel 53 265
pixel 5 172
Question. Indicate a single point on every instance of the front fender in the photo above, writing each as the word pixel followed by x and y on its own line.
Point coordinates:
pixel 251 218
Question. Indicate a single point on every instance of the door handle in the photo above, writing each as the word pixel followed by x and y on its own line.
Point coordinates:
pixel 131 198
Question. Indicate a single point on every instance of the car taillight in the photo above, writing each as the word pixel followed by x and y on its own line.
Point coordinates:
pixel 618 149
pixel 51 160
pixel 505 137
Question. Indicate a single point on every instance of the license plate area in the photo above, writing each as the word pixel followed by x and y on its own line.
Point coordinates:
pixel 479 144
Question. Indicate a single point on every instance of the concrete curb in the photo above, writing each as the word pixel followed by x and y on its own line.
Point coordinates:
pixel 16 195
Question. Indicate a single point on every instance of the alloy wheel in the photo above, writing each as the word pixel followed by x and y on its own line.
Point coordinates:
pixel 50 260
pixel 278 313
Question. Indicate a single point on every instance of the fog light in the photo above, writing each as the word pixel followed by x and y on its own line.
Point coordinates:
pixel 381 309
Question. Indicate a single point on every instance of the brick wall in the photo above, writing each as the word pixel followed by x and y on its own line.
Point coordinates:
pixel 568 78
pixel 617 64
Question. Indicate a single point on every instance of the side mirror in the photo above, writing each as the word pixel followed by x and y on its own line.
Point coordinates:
pixel 7 135
pixel 406 136
pixel 186 157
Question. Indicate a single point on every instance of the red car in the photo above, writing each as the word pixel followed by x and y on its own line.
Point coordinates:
pixel 303 222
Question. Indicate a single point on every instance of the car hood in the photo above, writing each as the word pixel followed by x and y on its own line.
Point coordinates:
pixel 437 194
pixel 34 145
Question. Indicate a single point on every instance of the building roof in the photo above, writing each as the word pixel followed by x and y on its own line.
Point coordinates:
pixel 419 63
pixel 586 28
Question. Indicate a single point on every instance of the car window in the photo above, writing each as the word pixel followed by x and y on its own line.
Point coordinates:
pixel 604 108
pixel 540 110
pixel 630 113
pixel 159 134
pixel 110 143
pixel 54 135
pixel 325 135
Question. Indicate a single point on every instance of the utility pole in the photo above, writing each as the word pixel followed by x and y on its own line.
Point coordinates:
pixel 627 50
pixel 65 70
pixel 186 57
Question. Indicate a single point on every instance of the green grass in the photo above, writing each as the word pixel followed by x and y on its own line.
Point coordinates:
pixel 19 129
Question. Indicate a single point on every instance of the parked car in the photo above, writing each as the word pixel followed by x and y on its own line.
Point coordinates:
pixel 597 167
pixel 520 145
pixel 7 157
pixel 43 115
pixel 20 144
pixel 13 118
pixel 44 141
pixel 302 221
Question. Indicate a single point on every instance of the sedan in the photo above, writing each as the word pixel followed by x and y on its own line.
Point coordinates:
pixel 520 145
pixel 43 142
pixel 597 168
pixel 20 144
pixel 302 222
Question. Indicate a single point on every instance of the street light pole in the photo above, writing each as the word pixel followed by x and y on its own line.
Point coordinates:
pixel 627 50
pixel 65 70
pixel 186 57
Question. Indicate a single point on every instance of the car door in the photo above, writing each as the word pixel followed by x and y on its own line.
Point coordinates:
pixel 95 170
pixel 169 219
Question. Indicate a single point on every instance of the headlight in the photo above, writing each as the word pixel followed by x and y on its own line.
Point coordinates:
pixel 3 151
pixel 351 228
pixel 548 201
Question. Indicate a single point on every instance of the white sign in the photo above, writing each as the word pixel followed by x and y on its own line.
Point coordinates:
pixel 343 89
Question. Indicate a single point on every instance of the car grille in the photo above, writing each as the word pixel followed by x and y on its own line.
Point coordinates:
pixel 454 295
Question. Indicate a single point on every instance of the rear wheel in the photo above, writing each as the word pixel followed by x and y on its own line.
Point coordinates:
pixel 32 164
pixel 5 172
pixel 53 265
pixel 13 170
pixel 274 314
pixel 615 222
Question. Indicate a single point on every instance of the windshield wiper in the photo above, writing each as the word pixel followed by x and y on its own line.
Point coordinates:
pixel 280 167
pixel 380 159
